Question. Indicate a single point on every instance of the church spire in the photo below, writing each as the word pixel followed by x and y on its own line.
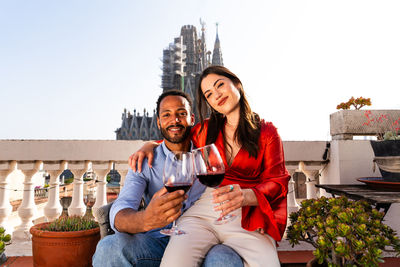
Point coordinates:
pixel 203 47
pixel 217 53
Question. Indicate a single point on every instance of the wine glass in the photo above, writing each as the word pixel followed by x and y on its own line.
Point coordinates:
pixel 210 171
pixel 178 174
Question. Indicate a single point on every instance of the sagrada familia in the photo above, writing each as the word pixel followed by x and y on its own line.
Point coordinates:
pixel 183 61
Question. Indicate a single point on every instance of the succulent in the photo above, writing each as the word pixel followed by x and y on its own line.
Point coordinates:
pixel 344 232
pixel 5 239
pixel 357 103
pixel 69 224
pixel 391 135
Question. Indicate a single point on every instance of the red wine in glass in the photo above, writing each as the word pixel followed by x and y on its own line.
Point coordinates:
pixel 173 187
pixel 210 170
pixel 178 174
pixel 211 179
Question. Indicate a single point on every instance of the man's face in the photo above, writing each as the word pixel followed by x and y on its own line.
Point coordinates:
pixel 175 119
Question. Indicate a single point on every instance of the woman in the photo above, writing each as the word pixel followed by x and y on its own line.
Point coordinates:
pixel 255 181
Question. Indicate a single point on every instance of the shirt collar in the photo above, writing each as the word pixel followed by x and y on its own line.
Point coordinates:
pixel 167 151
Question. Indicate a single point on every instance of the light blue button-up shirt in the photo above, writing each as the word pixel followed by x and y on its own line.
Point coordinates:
pixel 146 184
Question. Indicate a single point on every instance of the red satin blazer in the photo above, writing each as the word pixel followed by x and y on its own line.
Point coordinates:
pixel 266 175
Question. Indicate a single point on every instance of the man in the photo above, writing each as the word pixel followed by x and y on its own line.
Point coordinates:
pixel 138 241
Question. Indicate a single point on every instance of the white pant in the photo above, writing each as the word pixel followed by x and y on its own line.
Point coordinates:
pixel 201 234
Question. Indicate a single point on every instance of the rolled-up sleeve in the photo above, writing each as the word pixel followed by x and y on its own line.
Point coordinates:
pixel 130 195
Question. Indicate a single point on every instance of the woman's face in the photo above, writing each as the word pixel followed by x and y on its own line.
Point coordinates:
pixel 221 93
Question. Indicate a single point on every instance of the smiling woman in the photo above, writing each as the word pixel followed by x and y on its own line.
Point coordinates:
pixel 221 93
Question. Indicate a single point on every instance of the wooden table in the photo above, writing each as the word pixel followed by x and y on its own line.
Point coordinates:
pixel 380 199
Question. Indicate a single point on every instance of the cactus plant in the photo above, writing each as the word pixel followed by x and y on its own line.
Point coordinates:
pixel 67 241
pixel 72 223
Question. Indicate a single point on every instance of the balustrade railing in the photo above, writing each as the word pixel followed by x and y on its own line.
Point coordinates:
pixel 22 160
pixel 27 210
pixel 100 157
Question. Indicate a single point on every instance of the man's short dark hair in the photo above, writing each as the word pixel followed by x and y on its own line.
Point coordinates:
pixel 173 92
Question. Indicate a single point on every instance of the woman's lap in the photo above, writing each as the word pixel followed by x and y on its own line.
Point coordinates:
pixel 190 249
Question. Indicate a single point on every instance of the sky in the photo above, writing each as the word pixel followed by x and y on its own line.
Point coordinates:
pixel 69 68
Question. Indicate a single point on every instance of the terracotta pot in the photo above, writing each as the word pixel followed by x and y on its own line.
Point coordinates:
pixel 63 248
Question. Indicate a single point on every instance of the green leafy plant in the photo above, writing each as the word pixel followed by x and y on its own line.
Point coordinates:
pixel 72 223
pixel 391 135
pixel 5 239
pixel 68 180
pixel 357 103
pixel 344 232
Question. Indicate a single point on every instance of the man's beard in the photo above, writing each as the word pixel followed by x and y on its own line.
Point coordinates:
pixel 176 139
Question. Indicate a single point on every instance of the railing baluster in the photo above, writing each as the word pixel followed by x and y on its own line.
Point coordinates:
pixel 5 205
pixel 122 167
pixel 77 207
pixel 101 169
pixel 310 173
pixel 53 208
pixel 27 210
pixel 292 203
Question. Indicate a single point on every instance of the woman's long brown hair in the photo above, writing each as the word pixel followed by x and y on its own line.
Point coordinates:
pixel 248 130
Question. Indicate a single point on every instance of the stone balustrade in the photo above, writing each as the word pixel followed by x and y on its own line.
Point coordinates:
pixel 20 161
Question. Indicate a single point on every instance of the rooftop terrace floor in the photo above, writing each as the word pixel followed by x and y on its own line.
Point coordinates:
pixel 287 258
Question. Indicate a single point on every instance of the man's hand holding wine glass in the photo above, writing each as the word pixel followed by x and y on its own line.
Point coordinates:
pixel 163 208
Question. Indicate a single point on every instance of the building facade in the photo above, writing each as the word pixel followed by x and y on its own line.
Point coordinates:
pixel 183 61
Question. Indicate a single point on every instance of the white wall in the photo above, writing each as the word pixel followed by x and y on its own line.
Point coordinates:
pixel 349 160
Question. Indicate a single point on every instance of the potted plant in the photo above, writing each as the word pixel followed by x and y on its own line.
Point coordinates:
pixel 385 124
pixel 343 232
pixel 5 239
pixel 351 121
pixel 387 147
pixel 67 241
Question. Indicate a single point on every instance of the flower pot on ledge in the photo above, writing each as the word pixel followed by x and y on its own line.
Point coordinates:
pixel 345 124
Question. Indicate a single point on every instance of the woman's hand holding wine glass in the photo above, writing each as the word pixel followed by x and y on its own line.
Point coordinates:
pixel 231 197
pixel 210 171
